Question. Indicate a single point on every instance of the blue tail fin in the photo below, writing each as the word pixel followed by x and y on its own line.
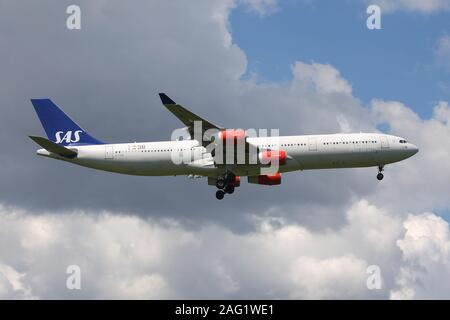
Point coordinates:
pixel 58 126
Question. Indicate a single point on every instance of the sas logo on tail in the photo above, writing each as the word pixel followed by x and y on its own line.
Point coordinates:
pixel 67 137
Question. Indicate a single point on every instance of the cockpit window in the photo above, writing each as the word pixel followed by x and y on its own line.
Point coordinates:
pixel 402 141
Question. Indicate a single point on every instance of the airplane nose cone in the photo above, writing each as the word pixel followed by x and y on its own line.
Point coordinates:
pixel 414 149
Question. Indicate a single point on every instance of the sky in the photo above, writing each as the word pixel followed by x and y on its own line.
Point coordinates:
pixel 304 67
pixel 387 63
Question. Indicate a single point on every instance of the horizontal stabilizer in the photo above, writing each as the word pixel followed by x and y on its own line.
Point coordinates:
pixel 54 147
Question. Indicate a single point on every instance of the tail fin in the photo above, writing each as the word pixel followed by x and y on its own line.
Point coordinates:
pixel 58 126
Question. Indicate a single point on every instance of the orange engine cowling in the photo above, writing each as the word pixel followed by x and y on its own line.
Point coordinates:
pixel 267 157
pixel 268 180
pixel 234 135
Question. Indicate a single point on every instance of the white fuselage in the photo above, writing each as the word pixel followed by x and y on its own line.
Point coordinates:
pixel 304 152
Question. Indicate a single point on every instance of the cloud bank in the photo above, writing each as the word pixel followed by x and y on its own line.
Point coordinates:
pixel 125 256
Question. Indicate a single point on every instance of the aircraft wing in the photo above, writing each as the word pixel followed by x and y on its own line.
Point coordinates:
pixel 186 116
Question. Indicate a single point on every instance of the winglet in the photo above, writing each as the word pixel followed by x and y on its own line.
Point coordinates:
pixel 165 99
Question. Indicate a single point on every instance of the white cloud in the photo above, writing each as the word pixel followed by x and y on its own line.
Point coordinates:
pixel 426 252
pixel 325 79
pixel 426 239
pixel 339 278
pixel 145 286
pixel 443 50
pixel 124 256
pixel 423 6
pixel 442 112
pixel 262 7
pixel 11 284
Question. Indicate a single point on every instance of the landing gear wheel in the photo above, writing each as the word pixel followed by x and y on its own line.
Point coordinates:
pixel 229 189
pixel 229 177
pixel 220 183
pixel 220 194
pixel 380 176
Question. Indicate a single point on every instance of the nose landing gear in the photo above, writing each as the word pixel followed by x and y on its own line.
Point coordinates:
pixel 380 174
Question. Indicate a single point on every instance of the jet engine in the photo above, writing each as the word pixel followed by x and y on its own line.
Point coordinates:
pixel 268 180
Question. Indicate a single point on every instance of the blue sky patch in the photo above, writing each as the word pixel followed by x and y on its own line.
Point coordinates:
pixel 398 62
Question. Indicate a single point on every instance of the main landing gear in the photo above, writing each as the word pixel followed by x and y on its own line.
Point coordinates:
pixel 380 175
pixel 225 184
pixel 220 194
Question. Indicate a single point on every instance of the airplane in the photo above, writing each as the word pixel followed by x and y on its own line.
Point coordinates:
pixel 68 142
